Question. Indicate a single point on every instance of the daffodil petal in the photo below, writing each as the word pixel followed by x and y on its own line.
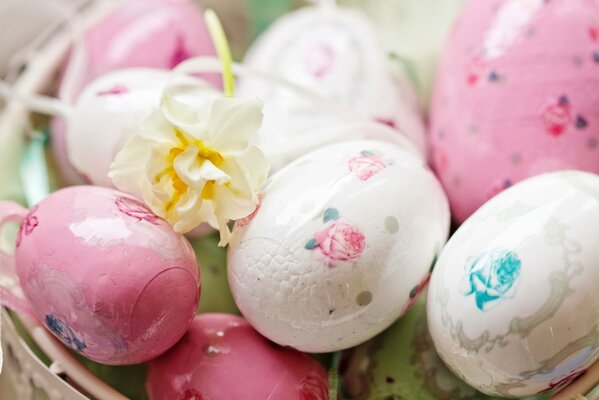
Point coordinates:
pixel 253 160
pixel 232 123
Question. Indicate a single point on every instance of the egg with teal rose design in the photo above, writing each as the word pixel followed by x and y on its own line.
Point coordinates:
pixel 513 306
pixel 340 246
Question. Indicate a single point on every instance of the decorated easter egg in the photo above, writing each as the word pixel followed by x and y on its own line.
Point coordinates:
pixel 513 306
pixel 515 97
pixel 101 272
pixel 342 240
pixel 223 357
pixel 109 110
pixel 401 364
pixel 137 33
pixel 334 53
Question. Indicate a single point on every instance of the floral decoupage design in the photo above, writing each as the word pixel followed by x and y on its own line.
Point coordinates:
pixel 339 240
pixel 367 164
pixel 27 226
pixel 491 276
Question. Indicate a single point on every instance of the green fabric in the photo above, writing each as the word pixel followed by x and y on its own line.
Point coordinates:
pixel 264 12
pixel 215 295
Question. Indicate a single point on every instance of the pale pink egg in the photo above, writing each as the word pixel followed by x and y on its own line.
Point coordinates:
pixel 223 357
pixel 516 95
pixel 139 33
pixel 107 277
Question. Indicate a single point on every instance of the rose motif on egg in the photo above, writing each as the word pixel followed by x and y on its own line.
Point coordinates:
pixel 339 240
pixel 27 226
pixel 136 209
pixel 62 330
pixel 491 277
pixel 313 388
pixel 366 165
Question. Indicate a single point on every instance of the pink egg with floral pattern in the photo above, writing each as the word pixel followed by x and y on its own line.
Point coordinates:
pixel 516 95
pixel 137 33
pixel 341 245
pixel 223 357
pixel 107 277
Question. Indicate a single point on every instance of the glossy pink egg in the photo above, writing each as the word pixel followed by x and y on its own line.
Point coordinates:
pixel 223 357
pixel 106 276
pixel 516 95
pixel 139 33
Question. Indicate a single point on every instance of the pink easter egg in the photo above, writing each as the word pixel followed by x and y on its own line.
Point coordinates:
pixel 516 95
pixel 223 357
pixel 139 33
pixel 107 277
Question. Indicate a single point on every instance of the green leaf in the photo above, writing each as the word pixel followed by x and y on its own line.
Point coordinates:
pixel 330 214
pixel 311 244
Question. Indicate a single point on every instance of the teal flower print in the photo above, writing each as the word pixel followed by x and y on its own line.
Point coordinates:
pixel 491 276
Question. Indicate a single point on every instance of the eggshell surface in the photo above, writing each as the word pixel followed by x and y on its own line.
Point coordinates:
pixel 516 95
pixel 513 306
pixel 110 111
pixel 100 271
pixel 341 240
pixel 223 357
pixel 137 33
pixel 336 54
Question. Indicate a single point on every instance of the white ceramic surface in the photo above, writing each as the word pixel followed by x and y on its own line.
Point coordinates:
pixel 335 53
pixel 342 240
pixel 513 306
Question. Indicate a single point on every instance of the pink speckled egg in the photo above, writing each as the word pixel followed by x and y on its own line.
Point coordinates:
pixel 516 95
pixel 106 276
pixel 223 357
pixel 138 33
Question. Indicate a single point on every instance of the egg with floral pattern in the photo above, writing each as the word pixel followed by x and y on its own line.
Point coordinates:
pixel 515 97
pixel 133 34
pixel 107 277
pixel 336 54
pixel 223 357
pixel 513 306
pixel 342 241
pixel 111 108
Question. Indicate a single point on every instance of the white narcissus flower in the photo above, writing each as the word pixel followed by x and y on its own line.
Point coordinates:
pixel 191 166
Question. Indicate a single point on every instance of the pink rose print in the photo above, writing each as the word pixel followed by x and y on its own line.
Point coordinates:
pixel 27 226
pixel 386 121
pixel 475 69
pixel 115 90
pixel 320 61
pixel 594 33
pixel 366 165
pixel 560 383
pixel 557 117
pixel 243 222
pixel 338 241
pixel 313 388
pixel 136 209
pixel 191 394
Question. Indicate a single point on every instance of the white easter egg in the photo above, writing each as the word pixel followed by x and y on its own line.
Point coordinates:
pixel 111 108
pixel 340 243
pixel 513 305
pixel 336 54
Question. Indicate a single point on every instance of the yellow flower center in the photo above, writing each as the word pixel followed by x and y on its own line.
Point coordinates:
pixel 179 186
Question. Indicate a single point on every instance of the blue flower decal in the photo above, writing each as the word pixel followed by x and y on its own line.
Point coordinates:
pixel 65 332
pixel 492 276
